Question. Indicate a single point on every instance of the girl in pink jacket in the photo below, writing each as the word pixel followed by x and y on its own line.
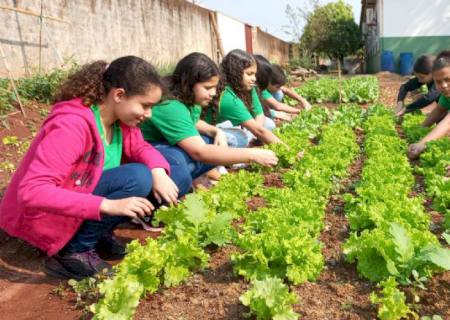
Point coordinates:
pixel 89 169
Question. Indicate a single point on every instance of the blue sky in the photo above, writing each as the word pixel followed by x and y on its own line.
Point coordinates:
pixel 269 15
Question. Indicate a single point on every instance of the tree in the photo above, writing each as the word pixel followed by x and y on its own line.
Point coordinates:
pixel 332 31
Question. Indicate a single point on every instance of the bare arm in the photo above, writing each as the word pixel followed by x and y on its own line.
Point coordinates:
pixel 255 127
pixel 275 104
pixel 213 154
pixel 260 119
pixel 220 139
pixel 435 116
pixel 441 130
pixel 294 95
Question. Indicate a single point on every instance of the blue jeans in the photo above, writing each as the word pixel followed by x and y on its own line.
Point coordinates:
pixel 181 162
pixel 278 95
pixel 128 180
pixel 236 138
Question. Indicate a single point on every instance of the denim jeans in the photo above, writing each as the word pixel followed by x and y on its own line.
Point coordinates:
pixel 182 162
pixel 278 95
pixel 269 124
pixel 236 137
pixel 128 180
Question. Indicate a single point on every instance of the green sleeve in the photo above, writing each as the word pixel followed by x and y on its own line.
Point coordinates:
pixel 170 120
pixel 266 94
pixel 233 109
pixel 257 107
pixel 444 102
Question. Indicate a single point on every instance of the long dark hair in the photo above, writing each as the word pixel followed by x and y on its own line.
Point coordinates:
pixel 194 68
pixel 94 81
pixel 233 66
pixel 264 73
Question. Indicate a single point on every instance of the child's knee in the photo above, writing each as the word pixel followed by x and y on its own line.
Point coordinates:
pixel 182 178
pixel 139 182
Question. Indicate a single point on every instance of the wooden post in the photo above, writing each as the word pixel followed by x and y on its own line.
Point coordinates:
pixel 31 13
pixel 212 16
pixel 339 79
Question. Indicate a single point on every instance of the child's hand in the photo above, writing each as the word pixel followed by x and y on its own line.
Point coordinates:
pixel 306 105
pixel 220 139
pixel 400 110
pixel 266 158
pixel 130 207
pixel 415 150
pixel 164 189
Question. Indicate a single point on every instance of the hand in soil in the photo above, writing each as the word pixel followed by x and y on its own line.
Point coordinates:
pixel 415 150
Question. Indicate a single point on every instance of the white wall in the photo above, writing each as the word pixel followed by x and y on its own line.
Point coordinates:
pixel 415 18
pixel 232 32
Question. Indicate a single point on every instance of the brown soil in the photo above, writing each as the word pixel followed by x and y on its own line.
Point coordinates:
pixel 273 179
pixel 255 203
pixel 26 292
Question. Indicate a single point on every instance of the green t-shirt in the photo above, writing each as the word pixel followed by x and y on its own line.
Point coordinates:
pixel 232 108
pixel 266 94
pixel 113 150
pixel 209 117
pixel 171 121
pixel 444 102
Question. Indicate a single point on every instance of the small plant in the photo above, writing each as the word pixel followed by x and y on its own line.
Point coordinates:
pixel 270 299
pixel 392 302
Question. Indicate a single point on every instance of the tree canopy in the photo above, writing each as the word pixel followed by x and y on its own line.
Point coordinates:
pixel 331 30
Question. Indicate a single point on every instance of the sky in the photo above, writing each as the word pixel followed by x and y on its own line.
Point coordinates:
pixel 269 15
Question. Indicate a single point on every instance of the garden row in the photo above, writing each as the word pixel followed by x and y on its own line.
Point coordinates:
pixel 360 89
pixel 390 240
pixel 288 249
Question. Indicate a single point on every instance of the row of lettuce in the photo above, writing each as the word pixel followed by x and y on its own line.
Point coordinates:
pixel 360 89
pixel 390 239
pixel 278 244
pixel 434 165
pixel 274 243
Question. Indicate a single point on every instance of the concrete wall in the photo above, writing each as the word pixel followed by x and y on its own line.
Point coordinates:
pixel 161 31
pixel 271 47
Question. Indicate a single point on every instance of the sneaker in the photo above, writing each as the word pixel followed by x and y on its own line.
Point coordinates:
pixel 109 248
pixel 77 265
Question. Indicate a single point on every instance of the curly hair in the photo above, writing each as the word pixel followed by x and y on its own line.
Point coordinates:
pixel 232 67
pixel 95 80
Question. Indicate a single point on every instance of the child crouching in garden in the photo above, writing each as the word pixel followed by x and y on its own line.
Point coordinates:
pixel 89 169
pixel 440 114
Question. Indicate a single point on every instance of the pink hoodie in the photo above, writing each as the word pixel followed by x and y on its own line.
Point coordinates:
pixel 50 194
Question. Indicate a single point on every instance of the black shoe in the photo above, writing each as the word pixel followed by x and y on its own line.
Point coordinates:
pixel 109 248
pixel 77 265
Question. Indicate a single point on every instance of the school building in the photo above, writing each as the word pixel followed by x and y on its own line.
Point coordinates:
pixel 416 26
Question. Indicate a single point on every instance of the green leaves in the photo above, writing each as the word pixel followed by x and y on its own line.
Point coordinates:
pixel 395 240
pixel 402 242
pixel 361 89
pixel 270 299
pixel 392 302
